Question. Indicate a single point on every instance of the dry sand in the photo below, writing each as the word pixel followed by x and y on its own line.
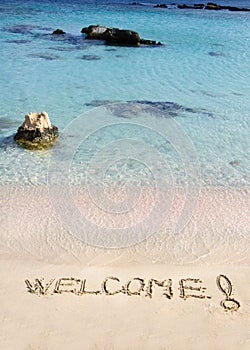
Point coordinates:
pixel 35 246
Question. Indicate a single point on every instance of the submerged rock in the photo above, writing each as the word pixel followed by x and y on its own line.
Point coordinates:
pixel 21 29
pixel 58 32
pixel 115 36
pixel 36 132
pixel 216 54
pixel 18 41
pixel 44 56
pixel 90 57
pixel 235 162
pixel 24 29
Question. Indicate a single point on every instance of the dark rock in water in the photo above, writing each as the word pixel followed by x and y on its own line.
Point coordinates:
pixel 163 6
pixel 95 32
pixel 235 9
pixel 184 6
pixel 199 6
pixel 212 6
pixel 35 139
pixel 115 36
pixel 122 37
pixel 90 58
pixel 150 42
pixel 58 32
pixel 195 7
pixel 36 132
pixel 112 36
pixel 216 7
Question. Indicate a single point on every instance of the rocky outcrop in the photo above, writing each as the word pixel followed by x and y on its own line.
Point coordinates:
pixel 163 6
pixel 36 132
pixel 115 36
pixel 122 37
pixel 58 32
pixel 184 6
pixel 233 8
pixel 212 7
pixel 216 7
pixel 95 32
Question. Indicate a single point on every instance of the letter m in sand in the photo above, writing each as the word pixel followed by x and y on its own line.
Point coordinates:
pixel 37 287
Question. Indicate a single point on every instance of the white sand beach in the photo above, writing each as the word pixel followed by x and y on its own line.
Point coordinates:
pixel 89 321
pixel 184 313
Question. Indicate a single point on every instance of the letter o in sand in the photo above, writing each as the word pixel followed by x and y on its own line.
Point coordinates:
pixel 130 290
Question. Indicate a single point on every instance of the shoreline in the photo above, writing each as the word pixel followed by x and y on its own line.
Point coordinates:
pixel 215 233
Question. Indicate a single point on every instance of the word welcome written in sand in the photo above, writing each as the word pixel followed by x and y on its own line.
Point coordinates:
pixel 188 288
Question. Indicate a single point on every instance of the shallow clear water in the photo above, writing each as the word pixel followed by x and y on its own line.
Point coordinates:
pixel 202 69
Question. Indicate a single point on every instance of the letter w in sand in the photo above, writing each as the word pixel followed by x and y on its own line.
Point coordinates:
pixel 37 287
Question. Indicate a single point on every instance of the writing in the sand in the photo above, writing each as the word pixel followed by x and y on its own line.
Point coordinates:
pixel 188 288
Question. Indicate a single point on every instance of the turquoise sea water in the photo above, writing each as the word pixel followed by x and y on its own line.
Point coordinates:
pixel 201 76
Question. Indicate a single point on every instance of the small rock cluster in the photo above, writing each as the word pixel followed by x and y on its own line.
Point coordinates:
pixel 208 6
pixel 112 36
pixel 115 36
